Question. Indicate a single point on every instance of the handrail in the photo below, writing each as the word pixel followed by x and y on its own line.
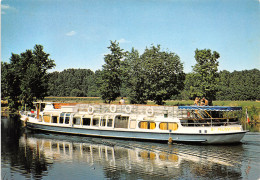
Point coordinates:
pixel 210 124
pixel 208 114
pixel 207 118
pixel 196 111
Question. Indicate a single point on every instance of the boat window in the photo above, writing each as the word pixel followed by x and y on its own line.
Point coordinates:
pixel 109 122
pixel 133 124
pixel 61 118
pixel 67 119
pixel 86 121
pixel 172 126
pixel 54 119
pixel 121 121
pixel 168 126
pixel 76 120
pixel 47 118
pixel 163 126
pixel 103 121
pixel 147 125
pixel 95 121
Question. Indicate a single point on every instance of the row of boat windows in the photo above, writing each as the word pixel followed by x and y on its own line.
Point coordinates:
pixel 120 122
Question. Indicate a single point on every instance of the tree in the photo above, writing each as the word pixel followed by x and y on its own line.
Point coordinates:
pixel 205 78
pixel 111 73
pixel 134 78
pixel 190 86
pixel 4 80
pixel 27 77
pixel 155 75
pixel 62 83
pixel 224 90
pixel 76 93
pixel 12 79
pixel 93 84
pixel 244 85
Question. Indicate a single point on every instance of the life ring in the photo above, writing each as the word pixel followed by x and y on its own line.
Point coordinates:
pixel 90 109
pixel 113 108
pixel 128 109
pixel 149 111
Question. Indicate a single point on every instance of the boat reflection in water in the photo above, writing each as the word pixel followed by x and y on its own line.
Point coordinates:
pixel 122 159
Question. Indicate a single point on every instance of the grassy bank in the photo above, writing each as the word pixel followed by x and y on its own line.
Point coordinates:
pixel 244 104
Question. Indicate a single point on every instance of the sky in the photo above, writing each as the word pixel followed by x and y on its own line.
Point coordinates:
pixel 76 33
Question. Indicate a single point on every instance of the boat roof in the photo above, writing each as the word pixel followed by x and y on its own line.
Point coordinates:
pixel 211 108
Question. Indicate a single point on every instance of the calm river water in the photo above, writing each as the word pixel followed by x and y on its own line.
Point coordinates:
pixel 31 155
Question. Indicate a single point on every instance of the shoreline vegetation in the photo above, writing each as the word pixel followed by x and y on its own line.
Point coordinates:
pixel 152 77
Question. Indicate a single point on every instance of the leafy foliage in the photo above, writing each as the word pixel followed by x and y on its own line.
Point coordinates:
pixel 134 78
pixel 204 80
pixel 110 82
pixel 155 75
pixel 26 76
pixel 239 85
pixel 80 81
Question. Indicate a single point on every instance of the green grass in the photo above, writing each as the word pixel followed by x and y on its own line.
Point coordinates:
pixel 243 104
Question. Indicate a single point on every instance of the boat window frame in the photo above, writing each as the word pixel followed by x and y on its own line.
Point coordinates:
pixel 167 126
pixel 61 117
pixel 77 117
pixel 87 118
pixel 148 125
pixel 110 119
pixel 48 115
pixel 95 118
pixel 67 118
pixel 57 119
pixel 103 121
pixel 118 124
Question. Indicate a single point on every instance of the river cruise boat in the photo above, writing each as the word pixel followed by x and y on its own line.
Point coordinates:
pixel 188 124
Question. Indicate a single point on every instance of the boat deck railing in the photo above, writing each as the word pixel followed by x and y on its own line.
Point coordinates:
pixel 133 109
pixel 209 121
pixel 148 110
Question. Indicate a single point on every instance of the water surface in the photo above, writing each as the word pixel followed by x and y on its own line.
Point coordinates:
pixel 37 155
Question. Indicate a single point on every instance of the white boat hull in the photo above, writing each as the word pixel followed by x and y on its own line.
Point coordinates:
pixel 160 123
pixel 216 138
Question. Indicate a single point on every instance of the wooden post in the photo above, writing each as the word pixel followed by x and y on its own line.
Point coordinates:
pixel 38 110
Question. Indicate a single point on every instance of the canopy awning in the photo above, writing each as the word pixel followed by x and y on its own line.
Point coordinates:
pixel 211 108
